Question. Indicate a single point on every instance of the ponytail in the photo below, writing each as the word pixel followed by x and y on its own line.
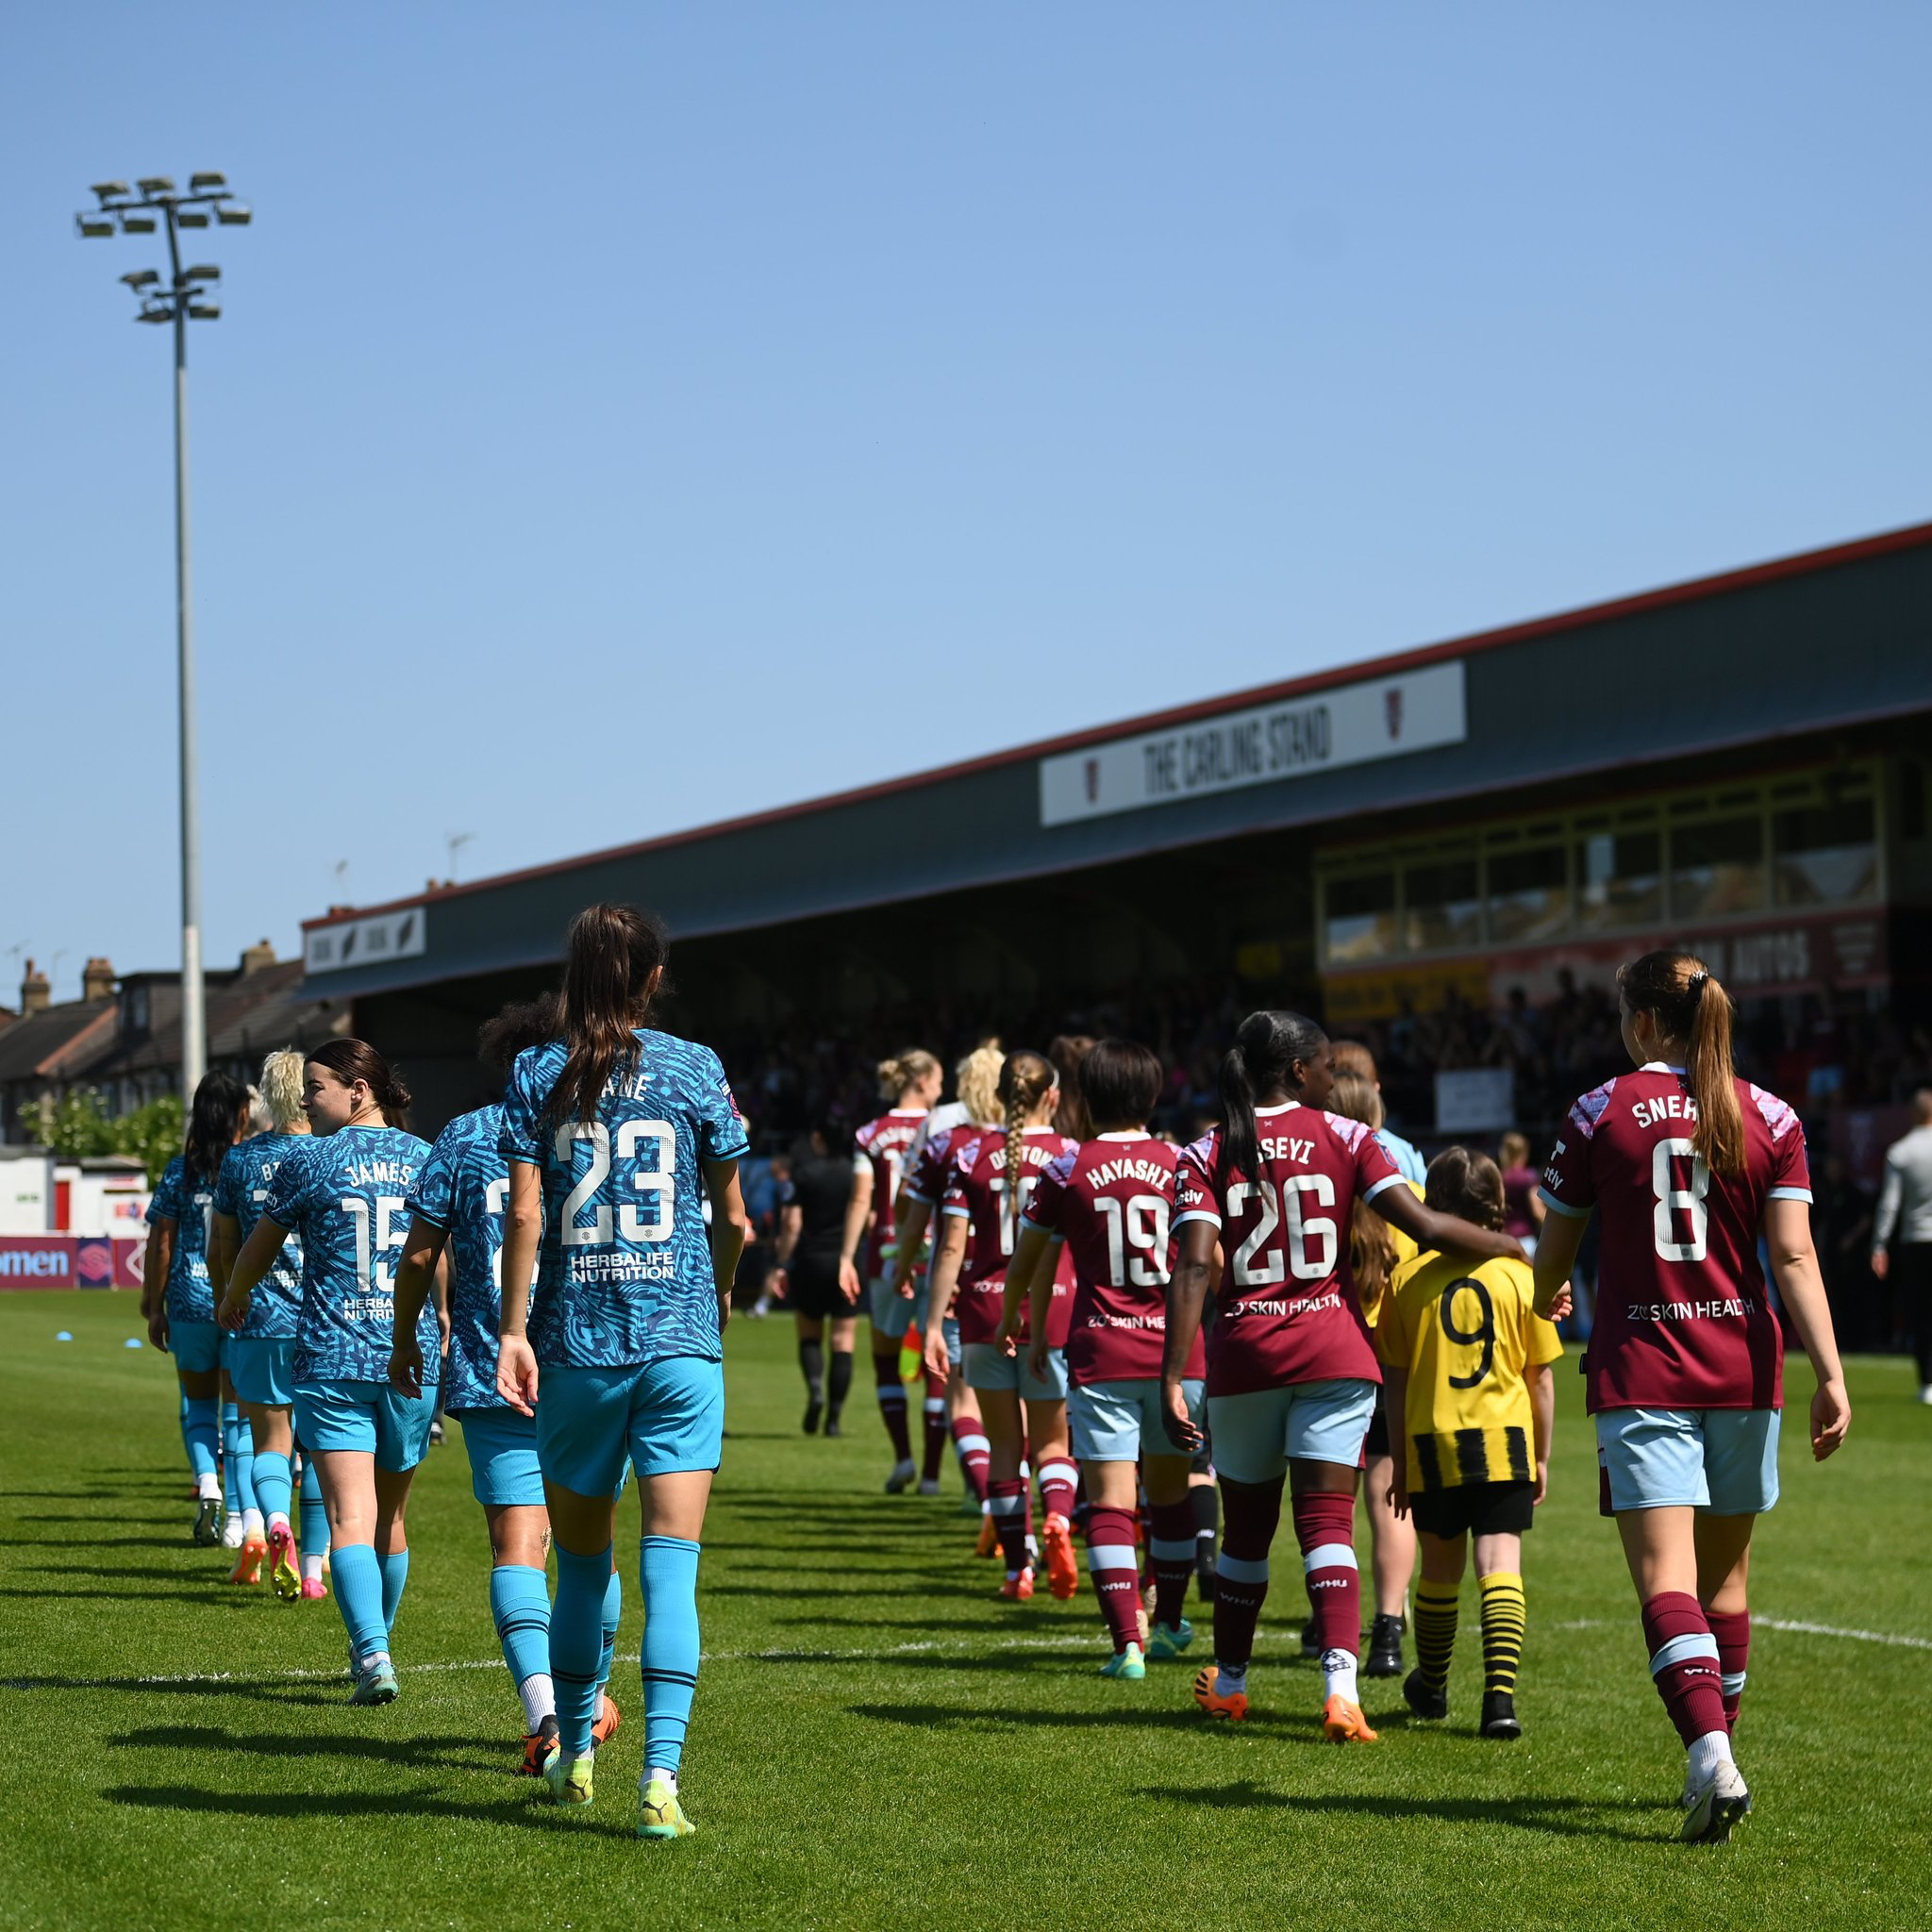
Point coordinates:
pixel 899 1073
pixel 281 1088
pixel 1694 1013
pixel 1025 1080
pixel 351 1061
pixel 1267 1048
pixel 613 966
pixel 218 1101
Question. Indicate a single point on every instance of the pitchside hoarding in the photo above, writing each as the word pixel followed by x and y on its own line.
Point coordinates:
pixel 69 1260
pixel 1349 725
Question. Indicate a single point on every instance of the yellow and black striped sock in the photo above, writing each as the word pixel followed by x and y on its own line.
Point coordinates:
pixel 1435 1631
pixel 1504 1616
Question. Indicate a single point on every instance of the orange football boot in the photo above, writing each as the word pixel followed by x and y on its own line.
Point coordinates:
pixel 608 1717
pixel 1234 1707
pixel 1018 1589
pixel 1062 1566
pixel 988 1543
pixel 1342 1722
pixel 249 1559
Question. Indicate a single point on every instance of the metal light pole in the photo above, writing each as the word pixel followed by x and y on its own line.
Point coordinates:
pixel 151 203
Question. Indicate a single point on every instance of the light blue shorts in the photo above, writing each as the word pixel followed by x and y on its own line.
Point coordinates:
pixel 503 1457
pixel 989 1366
pixel 196 1346
pixel 373 1417
pixel 665 1416
pixel 1120 1421
pixel 1721 1460
pixel 1257 1435
pixel 893 1314
pixel 264 1369
pixel 950 1329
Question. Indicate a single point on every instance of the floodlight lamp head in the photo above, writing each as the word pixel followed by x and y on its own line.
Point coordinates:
pixel 94 225
pixel 156 184
pixel 191 218
pixel 107 191
pixel 205 311
pixel 201 184
pixel 234 214
pixel 138 225
pixel 207 272
pixel 156 314
pixel 140 277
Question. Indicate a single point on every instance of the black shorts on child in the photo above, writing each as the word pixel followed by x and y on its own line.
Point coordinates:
pixel 1480 1508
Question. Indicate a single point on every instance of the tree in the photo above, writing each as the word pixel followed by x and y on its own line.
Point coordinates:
pixel 77 1127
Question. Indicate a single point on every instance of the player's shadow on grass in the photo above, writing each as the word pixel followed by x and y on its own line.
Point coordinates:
pixel 428 1802
pixel 421 1753
pixel 309 1693
pixel 204 1592
pixel 947 1717
pixel 1558 1816
pixel 150 1573
pixel 97 1542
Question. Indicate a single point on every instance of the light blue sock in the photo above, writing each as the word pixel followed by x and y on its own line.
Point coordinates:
pixel 204 1436
pixel 273 1484
pixel 613 1611
pixel 668 1566
pixel 577 1644
pixel 186 1449
pixel 396 1573
pixel 358 1594
pixel 231 1436
pixel 244 1466
pixel 520 1603
pixel 313 1533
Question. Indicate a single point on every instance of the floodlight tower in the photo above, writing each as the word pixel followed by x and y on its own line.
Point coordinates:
pixel 154 201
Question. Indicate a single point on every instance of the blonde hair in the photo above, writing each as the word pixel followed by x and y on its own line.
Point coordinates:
pixel 1681 994
pixel 978 1075
pixel 1513 1151
pixel 1026 1079
pixel 899 1074
pixel 281 1087
pixel 1352 1057
pixel 1370 1247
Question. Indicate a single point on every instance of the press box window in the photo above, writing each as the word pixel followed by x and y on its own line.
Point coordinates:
pixel 1361 917
pixel 1824 855
pixel 1529 893
pixel 1443 907
pixel 1717 868
pixel 1620 880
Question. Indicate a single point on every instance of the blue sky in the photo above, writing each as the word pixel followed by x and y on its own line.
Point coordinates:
pixel 627 416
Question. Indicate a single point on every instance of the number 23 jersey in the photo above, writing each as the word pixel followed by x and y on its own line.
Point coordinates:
pixel 344 1193
pixel 1681 1317
pixel 624 1272
pixel 1288 1311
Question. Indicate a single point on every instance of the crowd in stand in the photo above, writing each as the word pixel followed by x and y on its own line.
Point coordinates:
pixel 1828 1055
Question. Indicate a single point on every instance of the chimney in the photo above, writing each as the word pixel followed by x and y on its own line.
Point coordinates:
pixel 97 981
pixel 256 957
pixel 36 995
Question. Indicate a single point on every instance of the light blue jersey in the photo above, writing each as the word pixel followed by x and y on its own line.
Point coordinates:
pixel 1409 1162
pixel 345 1194
pixel 190 1295
pixel 624 1273
pixel 241 1189
pixel 462 1189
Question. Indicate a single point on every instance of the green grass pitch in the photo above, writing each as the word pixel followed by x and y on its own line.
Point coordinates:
pixel 879 1743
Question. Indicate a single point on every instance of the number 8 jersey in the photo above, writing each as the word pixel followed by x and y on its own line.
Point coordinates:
pixel 1681 1317
pixel 345 1193
pixel 624 1273
pixel 1288 1311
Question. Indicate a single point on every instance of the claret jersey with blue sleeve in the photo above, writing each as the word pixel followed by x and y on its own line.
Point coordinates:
pixel 241 1189
pixel 461 1188
pixel 346 1194
pixel 624 1272
pixel 191 1206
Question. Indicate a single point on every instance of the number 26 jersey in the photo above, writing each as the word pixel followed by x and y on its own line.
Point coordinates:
pixel 1681 1317
pixel 624 1271
pixel 1288 1311
pixel 345 1194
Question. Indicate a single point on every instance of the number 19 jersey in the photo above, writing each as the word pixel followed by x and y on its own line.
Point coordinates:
pixel 462 1189
pixel 344 1193
pixel 624 1271
pixel 1111 1201
pixel 1681 1317
pixel 1288 1311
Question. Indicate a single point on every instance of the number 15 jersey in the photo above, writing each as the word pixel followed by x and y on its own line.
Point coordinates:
pixel 1681 1318
pixel 1288 1311
pixel 624 1271
pixel 344 1193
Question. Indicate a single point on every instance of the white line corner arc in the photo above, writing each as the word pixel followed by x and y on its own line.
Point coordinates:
pixel 1348 724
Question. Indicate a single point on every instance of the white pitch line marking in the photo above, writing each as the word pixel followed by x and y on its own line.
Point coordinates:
pixel 1793 1624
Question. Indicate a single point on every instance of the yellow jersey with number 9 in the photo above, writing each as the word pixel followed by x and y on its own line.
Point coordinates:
pixel 1466 1331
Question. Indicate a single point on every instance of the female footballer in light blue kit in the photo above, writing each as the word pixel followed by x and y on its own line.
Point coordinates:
pixel 176 1296
pixel 344 1193
pixel 457 1208
pixel 615 1136
pixel 262 1354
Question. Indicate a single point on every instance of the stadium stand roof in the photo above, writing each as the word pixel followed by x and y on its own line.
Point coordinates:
pixel 1801 645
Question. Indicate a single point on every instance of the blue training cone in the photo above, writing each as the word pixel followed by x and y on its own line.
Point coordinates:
pixel 132 1341
pixel 63 1336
